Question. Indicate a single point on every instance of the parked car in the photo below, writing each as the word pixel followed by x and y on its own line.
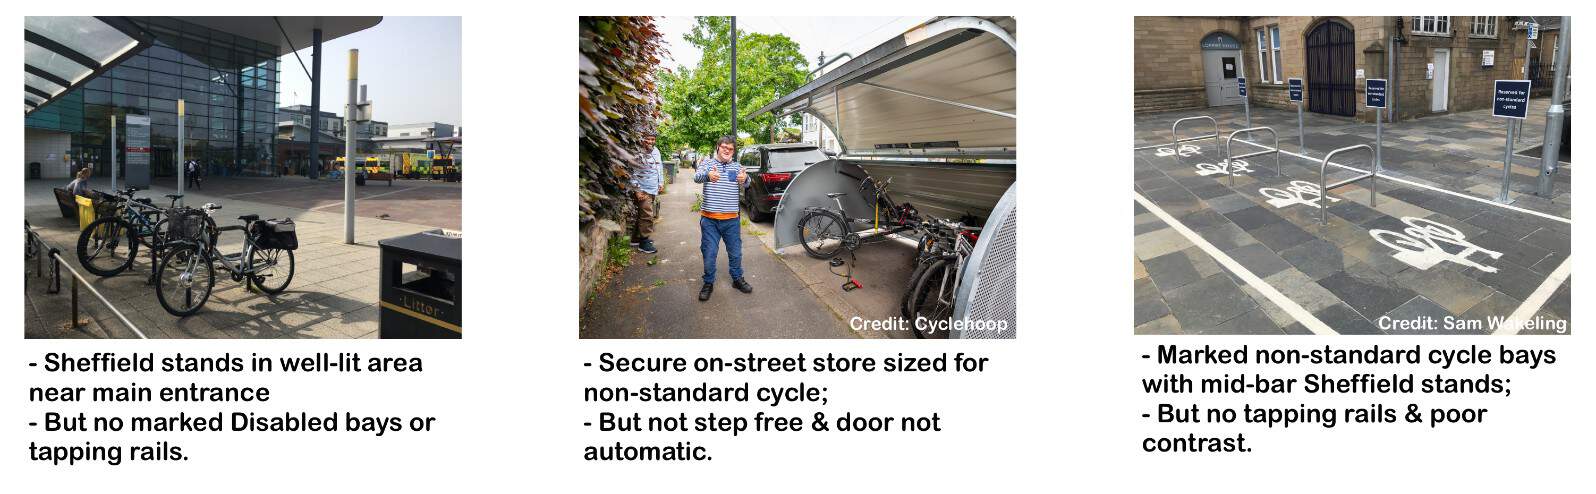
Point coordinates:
pixel 770 168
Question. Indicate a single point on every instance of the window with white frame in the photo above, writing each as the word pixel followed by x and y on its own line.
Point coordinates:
pixel 1483 27
pixel 1263 56
pixel 1274 41
pixel 1269 54
pixel 1439 25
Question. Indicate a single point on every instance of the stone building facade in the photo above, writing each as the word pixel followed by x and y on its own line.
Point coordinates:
pixel 1169 62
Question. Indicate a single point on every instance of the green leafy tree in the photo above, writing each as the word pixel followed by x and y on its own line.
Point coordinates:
pixel 617 105
pixel 696 101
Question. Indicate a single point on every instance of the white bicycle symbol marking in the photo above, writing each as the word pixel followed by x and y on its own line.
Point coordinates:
pixel 1206 169
pixel 1419 245
pixel 1296 193
pixel 1185 150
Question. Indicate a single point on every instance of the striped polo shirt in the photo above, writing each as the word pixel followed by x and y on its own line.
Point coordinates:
pixel 719 196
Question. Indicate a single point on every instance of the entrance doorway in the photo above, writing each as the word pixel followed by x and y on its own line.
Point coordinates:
pixel 1221 66
pixel 1331 79
pixel 1440 83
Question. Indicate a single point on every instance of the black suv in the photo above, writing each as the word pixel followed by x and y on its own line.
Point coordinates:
pixel 770 168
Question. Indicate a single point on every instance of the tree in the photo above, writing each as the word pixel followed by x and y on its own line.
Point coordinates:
pixel 617 105
pixel 696 101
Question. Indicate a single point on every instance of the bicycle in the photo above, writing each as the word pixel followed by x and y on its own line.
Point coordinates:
pixel 187 272
pixel 946 245
pixel 134 221
pixel 824 231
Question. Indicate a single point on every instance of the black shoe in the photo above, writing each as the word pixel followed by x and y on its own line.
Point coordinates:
pixel 742 285
pixel 647 246
pixel 703 293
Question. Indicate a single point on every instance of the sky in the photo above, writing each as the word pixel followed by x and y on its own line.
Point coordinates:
pixel 833 35
pixel 410 66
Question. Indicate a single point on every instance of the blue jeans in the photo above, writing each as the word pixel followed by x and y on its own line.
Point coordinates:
pixel 714 232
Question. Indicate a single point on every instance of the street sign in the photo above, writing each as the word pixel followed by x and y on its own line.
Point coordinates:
pixel 1534 31
pixel 137 147
pixel 1488 58
pixel 1294 85
pixel 1511 99
pixel 1374 93
pixel 1241 86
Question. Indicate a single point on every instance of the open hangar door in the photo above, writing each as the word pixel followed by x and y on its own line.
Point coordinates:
pixel 934 111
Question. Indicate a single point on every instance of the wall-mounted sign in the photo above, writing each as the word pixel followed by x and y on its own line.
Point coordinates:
pixel 1294 88
pixel 1360 74
pixel 1534 31
pixel 1429 70
pixel 1220 41
pixel 1241 86
pixel 1511 99
pixel 1374 93
pixel 1488 58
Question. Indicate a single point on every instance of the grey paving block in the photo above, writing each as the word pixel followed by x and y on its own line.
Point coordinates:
pixel 1280 235
pixel 1149 302
pixel 1250 322
pixel 1207 303
pixel 1316 258
pixel 1477 320
pixel 1258 259
pixel 1344 320
pixel 1509 278
pixel 1450 289
pixel 1418 316
pixel 1371 297
pixel 1513 251
pixel 1559 303
pixel 1159 242
pixel 1204 219
pixel 1171 271
pixel 1227 236
pixel 1229 204
pixel 1354 212
pixel 1162 325
pixel 1549 239
pixel 1252 218
pixel 1514 226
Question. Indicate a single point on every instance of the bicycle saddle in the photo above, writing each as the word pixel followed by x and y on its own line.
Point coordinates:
pixel 836 194
pixel 174 196
pixel 249 217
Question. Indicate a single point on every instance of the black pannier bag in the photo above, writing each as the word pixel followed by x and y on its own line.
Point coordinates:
pixel 184 224
pixel 276 234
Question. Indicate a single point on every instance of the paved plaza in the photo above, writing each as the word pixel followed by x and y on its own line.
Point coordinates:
pixel 333 293
pixel 1251 257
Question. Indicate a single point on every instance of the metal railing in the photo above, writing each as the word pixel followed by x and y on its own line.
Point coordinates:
pixel 36 245
pixel 1275 150
pixel 1174 134
pixel 1324 189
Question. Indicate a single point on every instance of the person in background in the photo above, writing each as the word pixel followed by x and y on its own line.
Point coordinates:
pixel 723 179
pixel 79 186
pixel 645 185
pixel 191 174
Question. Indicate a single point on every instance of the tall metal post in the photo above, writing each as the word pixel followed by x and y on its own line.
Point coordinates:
pixel 1552 142
pixel 313 169
pixel 1379 139
pixel 1507 163
pixel 113 150
pixel 349 147
pixel 734 76
pixel 182 144
pixel 1302 140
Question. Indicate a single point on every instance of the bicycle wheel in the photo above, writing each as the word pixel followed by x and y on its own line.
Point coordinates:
pixel 933 296
pixel 184 280
pixel 107 247
pixel 822 232
pixel 274 268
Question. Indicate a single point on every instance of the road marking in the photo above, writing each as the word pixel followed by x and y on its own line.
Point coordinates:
pixel 340 203
pixel 1534 302
pixel 1431 187
pixel 1419 245
pixel 1280 299
pixel 1296 193
pixel 1240 166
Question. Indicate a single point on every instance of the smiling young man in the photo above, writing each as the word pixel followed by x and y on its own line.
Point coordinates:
pixel 723 180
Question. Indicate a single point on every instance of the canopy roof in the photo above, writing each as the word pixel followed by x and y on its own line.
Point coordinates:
pixel 61 52
pixel 944 88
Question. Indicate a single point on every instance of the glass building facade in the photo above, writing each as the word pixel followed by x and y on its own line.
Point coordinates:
pixel 228 85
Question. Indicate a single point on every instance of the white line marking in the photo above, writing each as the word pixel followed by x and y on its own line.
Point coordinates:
pixel 1431 187
pixel 340 203
pixel 1536 300
pixel 1290 306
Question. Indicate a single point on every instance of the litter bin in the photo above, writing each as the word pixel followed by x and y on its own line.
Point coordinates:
pixel 420 292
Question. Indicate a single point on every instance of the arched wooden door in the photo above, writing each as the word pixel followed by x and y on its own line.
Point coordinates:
pixel 1331 84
